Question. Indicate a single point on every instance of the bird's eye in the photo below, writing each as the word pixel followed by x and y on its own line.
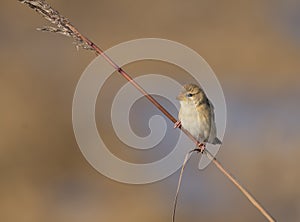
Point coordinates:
pixel 189 95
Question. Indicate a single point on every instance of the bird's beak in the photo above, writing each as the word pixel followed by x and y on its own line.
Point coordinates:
pixel 180 97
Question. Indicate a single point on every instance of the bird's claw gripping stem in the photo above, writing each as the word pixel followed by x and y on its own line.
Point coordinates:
pixel 177 124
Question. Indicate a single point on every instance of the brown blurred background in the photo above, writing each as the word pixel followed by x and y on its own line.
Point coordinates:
pixel 254 49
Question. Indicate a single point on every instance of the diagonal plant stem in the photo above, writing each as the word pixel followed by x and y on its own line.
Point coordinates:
pixel 64 27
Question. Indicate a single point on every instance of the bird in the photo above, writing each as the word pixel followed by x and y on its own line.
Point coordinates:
pixel 196 115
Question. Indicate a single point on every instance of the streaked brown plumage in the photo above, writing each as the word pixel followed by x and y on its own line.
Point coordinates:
pixel 196 114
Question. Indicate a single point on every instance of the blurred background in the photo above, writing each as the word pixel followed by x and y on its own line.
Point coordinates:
pixel 254 49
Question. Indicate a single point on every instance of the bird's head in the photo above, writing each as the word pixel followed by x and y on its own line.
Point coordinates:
pixel 191 94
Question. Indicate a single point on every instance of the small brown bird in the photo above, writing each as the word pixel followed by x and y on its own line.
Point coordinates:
pixel 196 114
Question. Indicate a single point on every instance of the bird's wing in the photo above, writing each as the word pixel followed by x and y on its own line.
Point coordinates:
pixel 213 130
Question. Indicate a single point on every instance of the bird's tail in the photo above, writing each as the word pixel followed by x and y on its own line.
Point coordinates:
pixel 217 141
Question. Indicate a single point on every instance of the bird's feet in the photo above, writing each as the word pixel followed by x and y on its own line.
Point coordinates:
pixel 200 147
pixel 177 124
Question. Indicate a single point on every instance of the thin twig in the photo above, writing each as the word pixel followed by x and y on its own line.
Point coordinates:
pixel 187 157
pixel 66 28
